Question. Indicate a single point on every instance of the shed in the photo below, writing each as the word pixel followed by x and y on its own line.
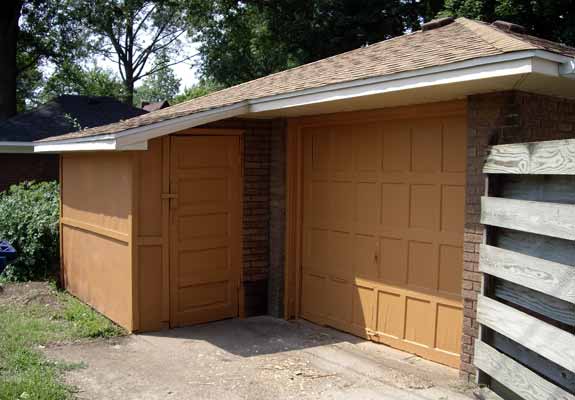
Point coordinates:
pixel 61 115
pixel 345 192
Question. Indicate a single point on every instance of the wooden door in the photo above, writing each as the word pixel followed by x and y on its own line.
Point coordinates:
pixel 205 237
pixel 383 219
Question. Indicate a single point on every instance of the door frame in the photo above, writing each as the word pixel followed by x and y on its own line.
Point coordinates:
pixel 167 200
pixel 294 177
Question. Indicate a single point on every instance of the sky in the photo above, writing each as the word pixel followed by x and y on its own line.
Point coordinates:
pixel 186 71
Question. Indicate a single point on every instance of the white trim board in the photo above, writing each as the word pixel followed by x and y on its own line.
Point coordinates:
pixel 17 147
pixel 517 64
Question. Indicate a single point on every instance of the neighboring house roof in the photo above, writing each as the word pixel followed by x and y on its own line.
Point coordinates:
pixel 158 105
pixel 65 114
pixel 447 43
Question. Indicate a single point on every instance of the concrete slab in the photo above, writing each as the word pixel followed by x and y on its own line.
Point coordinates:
pixel 256 358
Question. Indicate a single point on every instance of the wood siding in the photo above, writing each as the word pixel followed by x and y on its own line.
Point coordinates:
pixel 527 307
pixel 96 225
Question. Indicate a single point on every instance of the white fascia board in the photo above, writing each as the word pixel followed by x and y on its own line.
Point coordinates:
pixel 60 146
pixel 162 128
pixel 137 138
pixel 489 67
pixel 16 147
pixel 516 63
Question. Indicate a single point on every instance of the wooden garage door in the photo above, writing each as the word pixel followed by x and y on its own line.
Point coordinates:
pixel 205 228
pixel 383 217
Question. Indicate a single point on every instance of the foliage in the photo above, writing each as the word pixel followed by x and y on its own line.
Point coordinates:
pixel 29 215
pixel 202 88
pixel 74 79
pixel 246 40
pixel 550 19
pixel 133 32
pixel 47 35
pixel 24 371
pixel 161 85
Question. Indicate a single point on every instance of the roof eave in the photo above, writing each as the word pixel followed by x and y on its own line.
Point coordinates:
pixel 516 63
pixel 16 147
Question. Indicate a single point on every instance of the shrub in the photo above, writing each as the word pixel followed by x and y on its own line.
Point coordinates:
pixel 29 215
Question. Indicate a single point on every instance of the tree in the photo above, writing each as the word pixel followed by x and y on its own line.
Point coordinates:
pixel 33 33
pixel 202 88
pixel 132 32
pixel 71 78
pixel 162 85
pixel 245 40
pixel 550 19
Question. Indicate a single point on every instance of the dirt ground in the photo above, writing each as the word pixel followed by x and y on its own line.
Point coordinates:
pixel 256 358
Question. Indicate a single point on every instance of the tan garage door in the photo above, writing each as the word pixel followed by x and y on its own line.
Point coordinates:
pixel 205 228
pixel 383 217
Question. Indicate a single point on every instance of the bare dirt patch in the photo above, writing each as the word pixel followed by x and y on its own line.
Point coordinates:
pixel 22 294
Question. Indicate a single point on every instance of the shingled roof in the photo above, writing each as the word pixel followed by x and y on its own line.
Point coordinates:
pixel 460 40
pixel 64 114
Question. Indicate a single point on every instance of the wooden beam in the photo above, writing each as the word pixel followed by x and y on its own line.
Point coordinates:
pixel 548 370
pixel 555 157
pixel 515 376
pixel 98 230
pixel 552 343
pixel 550 219
pixel 554 279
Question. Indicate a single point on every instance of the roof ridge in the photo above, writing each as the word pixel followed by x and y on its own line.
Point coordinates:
pixel 502 41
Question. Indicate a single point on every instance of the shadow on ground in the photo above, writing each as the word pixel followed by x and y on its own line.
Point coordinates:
pixel 258 336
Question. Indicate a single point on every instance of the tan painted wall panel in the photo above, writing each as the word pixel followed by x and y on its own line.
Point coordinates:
pixel 97 189
pixel 97 270
pixel 96 232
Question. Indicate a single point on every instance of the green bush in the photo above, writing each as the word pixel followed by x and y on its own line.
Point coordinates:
pixel 29 215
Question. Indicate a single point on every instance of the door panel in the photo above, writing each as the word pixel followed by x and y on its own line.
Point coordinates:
pixel 205 220
pixel 383 215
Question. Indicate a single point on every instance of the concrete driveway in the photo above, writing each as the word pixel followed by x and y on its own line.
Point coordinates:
pixel 255 358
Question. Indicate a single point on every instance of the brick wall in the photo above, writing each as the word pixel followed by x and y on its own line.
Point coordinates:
pixel 277 218
pixel 15 168
pixel 499 118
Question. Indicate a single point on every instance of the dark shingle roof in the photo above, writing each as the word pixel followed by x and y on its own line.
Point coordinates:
pixel 65 114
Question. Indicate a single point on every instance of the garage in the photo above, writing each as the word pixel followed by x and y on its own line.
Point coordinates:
pixel 382 228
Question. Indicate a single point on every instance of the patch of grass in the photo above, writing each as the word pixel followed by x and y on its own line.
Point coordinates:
pixel 86 322
pixel 24 371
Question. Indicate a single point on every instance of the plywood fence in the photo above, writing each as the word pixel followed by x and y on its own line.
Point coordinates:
pixel 526 309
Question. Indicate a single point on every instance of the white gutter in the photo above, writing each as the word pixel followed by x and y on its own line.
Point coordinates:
pixel 16 147
pixel 516 63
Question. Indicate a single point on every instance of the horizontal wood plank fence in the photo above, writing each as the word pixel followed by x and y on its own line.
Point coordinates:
pixel 526 312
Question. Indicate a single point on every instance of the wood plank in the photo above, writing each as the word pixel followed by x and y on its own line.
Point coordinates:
pixel 538 336
pixel 522 381
pixel 554 279
pixel 557 220
pixel 550 371
pixel 550 157
pixel 98 230
pixel 548 307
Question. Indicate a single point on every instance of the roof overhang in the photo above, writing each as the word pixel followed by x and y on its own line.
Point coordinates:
pixel 494 73
pixel 17 147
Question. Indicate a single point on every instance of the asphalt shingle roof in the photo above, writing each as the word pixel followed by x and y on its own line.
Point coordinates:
pixel 63 115
pixel 461 40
